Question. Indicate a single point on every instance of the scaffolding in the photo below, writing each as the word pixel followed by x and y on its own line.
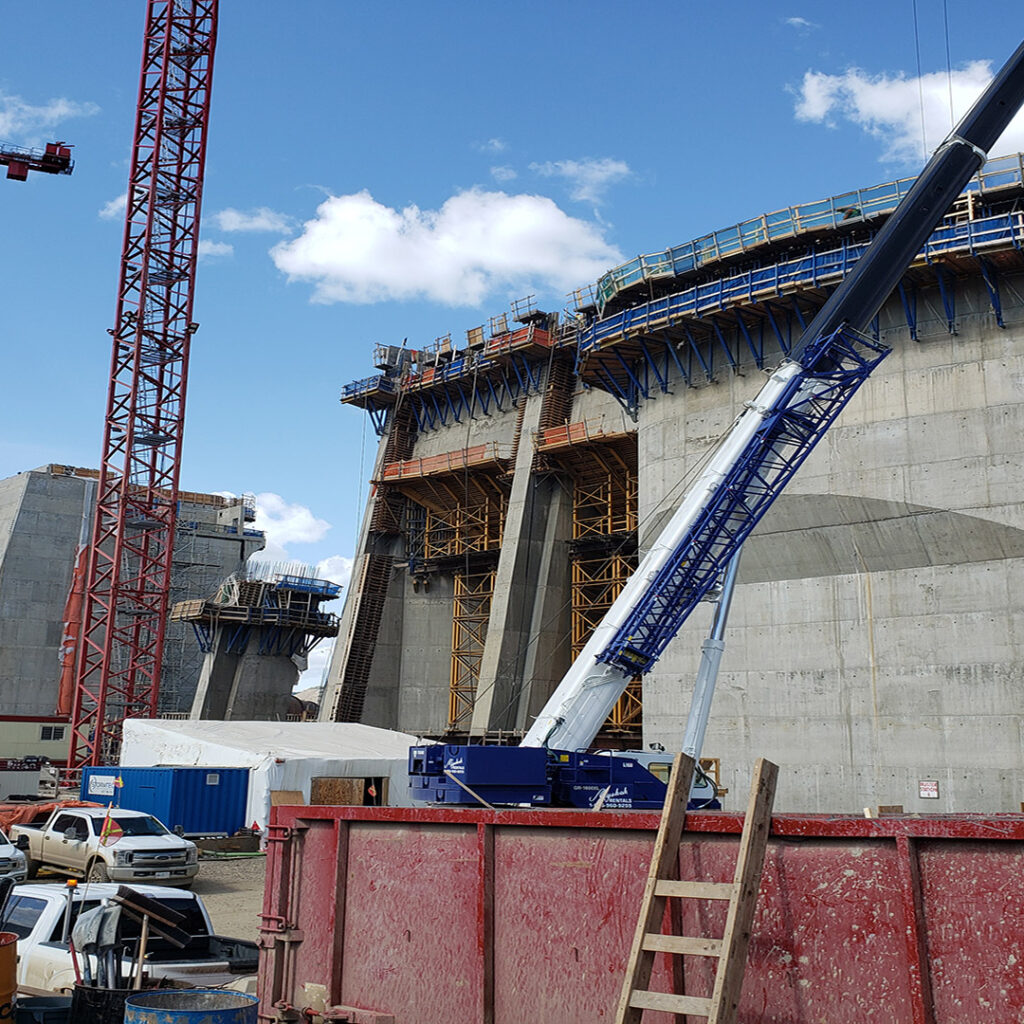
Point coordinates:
pixel 602 465
pixel 464 529
pixel 471 608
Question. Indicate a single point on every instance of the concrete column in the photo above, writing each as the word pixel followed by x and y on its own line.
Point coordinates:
pixel 262 687
pixel 215 681
pixel 504 686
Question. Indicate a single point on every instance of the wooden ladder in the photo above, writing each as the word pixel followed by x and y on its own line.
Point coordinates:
pixel 662 883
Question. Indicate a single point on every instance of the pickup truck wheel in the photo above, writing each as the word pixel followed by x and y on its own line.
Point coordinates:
pixel 98 872
pixel 32 867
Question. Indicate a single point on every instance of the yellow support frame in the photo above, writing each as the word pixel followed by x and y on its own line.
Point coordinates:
pixel 464 529
pixel 596 582
pixel 471 608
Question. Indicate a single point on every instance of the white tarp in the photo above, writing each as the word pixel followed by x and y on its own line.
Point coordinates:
pixel 281 755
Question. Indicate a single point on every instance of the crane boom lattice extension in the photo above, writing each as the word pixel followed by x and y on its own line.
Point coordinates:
pixel 128 578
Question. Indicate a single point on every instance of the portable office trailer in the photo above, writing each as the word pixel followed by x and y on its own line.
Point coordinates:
pixel 200 800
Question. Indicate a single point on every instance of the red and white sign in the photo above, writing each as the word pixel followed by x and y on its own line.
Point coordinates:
pixel 928 789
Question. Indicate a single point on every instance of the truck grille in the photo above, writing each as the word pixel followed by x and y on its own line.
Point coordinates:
pixel 158 859
pixel 6 864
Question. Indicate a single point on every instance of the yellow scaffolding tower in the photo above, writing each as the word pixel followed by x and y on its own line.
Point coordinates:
pixel 471 608
pixel 596 582
pixel 464 528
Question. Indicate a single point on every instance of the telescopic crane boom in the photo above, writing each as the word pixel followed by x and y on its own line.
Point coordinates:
pixel 769 440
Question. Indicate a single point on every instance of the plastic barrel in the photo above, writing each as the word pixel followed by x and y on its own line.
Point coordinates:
pixel 44 1010
pixel 8 974
pixel 190 1006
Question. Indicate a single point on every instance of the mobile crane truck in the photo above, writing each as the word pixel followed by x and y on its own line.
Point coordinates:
pixel 751 466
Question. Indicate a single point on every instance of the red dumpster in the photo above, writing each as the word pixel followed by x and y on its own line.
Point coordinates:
pixel 499 917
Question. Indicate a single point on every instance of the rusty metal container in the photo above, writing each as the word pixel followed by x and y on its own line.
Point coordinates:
pixel 406 916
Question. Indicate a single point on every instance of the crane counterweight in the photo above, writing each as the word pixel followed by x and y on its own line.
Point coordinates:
pixel 54 158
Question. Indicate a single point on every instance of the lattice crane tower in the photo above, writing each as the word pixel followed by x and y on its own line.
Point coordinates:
pixel 129 565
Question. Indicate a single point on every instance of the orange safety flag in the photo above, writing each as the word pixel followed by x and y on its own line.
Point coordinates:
pixel 111 831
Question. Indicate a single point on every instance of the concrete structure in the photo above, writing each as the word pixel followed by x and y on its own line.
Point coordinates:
pixel 256 635
pixel 875 645
pixel 46 514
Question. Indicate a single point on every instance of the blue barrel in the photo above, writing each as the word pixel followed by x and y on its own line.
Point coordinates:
pixel 191 1006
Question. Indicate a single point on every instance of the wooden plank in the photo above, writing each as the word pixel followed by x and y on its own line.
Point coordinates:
pixel 286 797
pixel 664 864
pixel 337 791
pixel 757 825
pixel 670 1003
pixel 682 944
pixel 696 890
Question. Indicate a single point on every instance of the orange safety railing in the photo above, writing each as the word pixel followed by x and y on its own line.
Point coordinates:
pixel 512 341
pixel 447 462
pixel 579 432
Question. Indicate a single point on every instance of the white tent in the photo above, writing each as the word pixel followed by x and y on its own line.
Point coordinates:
pixel 281 755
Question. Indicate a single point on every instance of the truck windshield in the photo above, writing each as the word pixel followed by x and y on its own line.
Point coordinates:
pixel 130 825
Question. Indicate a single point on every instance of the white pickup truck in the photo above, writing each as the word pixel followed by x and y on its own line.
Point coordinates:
pixel 13 863
pixel 36 914
pixel 129 847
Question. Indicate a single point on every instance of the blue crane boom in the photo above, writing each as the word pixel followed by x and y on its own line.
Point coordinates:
pixel 770 440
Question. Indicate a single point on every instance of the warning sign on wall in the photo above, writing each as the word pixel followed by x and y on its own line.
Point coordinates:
pixel 928 789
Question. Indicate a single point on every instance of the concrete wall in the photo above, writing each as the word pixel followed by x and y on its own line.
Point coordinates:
pixel 41 526
pixel 41 517
pixel 877 635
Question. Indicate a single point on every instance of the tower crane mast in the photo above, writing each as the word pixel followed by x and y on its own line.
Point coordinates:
pixel 129 563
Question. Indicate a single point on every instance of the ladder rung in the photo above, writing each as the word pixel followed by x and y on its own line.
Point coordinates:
pixel 682 944
pixel 670 1003
pixel 695 890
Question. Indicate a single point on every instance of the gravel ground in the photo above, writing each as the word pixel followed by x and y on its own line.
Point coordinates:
pixel 233 893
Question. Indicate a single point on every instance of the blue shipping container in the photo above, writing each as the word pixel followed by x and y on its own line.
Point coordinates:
pixel 203 801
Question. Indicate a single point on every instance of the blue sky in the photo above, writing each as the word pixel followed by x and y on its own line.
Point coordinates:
pixel 379 172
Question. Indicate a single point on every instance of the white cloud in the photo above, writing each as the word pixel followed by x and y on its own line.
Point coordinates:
pixel 493 146
pixel 477 243
pixel 888 107
pixel 503 174
pixel 800 23
pixel 116 206
pixel 208 249
pixel 19 119
pixel 589 179
pixel 261 219
pixel 336 568
pixel 286 522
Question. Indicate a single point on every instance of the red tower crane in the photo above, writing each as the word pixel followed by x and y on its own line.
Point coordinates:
pixel 129 563
pixel 54 159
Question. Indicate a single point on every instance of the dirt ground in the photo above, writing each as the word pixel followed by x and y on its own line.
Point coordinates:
pixel 233 893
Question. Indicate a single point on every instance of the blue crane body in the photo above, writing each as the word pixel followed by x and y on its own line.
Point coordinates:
pixel 752 464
